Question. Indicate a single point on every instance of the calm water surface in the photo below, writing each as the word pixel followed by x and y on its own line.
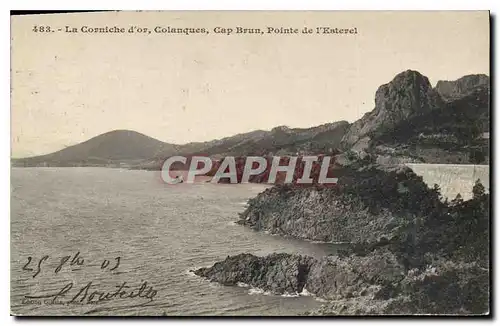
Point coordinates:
pixel 158 231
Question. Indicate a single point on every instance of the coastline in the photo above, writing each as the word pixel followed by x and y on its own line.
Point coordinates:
pixel 404 278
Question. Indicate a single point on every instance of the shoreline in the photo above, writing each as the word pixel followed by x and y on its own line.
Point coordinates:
pixel 392 278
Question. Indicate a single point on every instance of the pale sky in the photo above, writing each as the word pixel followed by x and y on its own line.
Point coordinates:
pixel 70 87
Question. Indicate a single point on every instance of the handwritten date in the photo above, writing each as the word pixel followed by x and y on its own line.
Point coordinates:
pixel 75 262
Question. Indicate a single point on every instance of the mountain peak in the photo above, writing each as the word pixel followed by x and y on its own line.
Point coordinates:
pixel 410 78
pixel 122 132
pixel 408 94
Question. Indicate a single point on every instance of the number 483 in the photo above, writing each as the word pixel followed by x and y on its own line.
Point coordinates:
pixel 42 29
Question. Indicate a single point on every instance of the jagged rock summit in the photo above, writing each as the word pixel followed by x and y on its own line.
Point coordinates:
pixel 466 85
pixel 408 94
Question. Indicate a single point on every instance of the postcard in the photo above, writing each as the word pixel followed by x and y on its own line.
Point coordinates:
pixel 250 163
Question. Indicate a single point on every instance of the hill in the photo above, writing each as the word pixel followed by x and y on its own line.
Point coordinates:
pixel 133 149
pixel 411 122
pixel 283 140
pixel 111 148
pixel 279 141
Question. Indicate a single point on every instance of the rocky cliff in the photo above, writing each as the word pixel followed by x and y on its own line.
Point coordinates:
pixel 456 89
pixel 457 133
pixel 376 283
pixel 409 251
pixel 331 277
pixel 407 95
pixel 377 204
pixel 367 204
pixel 412 122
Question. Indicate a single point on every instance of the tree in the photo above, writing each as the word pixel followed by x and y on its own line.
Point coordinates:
pixel 457 201
pixel 478 190
pixel 437 190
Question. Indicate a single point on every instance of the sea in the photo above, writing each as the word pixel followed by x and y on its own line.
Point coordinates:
pixel 104 241
pixel 86 221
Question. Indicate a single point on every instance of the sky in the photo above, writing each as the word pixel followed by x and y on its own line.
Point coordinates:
pixel 70 87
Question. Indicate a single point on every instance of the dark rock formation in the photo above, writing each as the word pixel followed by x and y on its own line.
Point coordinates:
pixel 444 287
pixel 454 134
pixel 407 95
pixel 336 277
pixel 456 89
pixel 412 122
pixel 279 273
pixel 367 204
pixel 330 277
pixel 376 283
pixel 410 252
pixel 373 204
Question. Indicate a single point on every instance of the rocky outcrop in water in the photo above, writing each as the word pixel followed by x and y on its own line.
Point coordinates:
pixel 410 252
pixel 278 273
pixel 378 204
pixel 330 277
pixel 367 204
pixel 377 283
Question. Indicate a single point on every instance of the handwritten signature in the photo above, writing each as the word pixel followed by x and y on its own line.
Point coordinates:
pixel 88 295
pixel 91 293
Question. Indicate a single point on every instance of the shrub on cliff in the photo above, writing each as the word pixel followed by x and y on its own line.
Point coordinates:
pixel 399 190
pixel 444 287
pixel 459 231
pixel 365 205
